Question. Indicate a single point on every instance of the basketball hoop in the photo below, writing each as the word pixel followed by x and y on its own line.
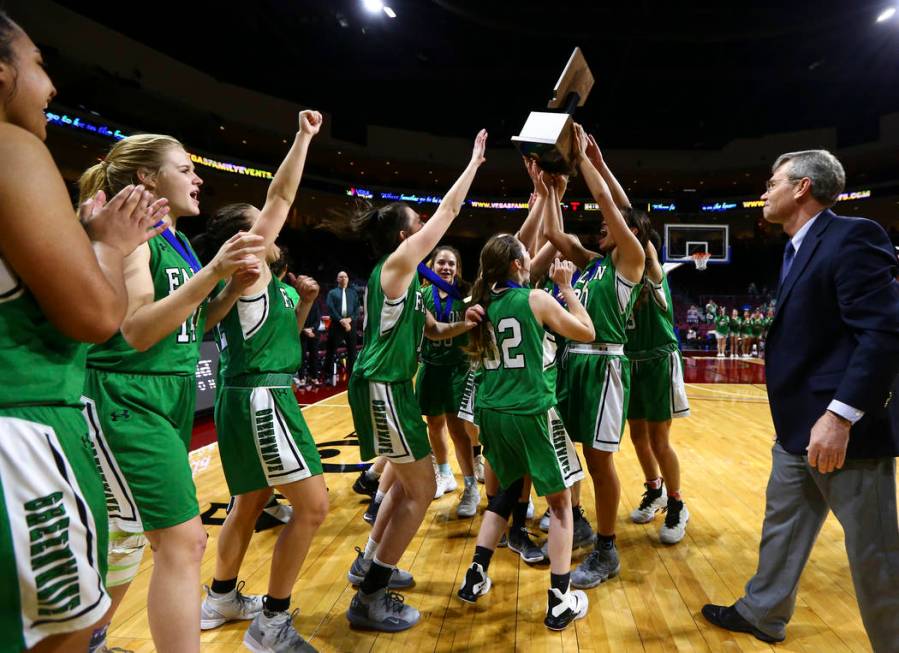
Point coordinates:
pixel 700 259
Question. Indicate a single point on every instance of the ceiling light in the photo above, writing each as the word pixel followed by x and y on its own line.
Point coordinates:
pixel 886 14
pixel 374 6
pixel 390 12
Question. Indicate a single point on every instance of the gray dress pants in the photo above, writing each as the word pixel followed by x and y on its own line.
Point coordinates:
pixel 862 496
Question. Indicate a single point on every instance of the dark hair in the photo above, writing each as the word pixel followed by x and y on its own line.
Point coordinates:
pixel 655 239
pixel 463 286
pixel 496 257
pixel 639 220
pixel 224 223
pixel 8 32
pixel 279 265
pixel 379 227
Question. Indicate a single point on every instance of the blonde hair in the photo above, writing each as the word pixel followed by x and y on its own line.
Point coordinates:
pixel 125 158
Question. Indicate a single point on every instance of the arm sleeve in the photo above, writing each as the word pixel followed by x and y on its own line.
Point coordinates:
pixel 868 296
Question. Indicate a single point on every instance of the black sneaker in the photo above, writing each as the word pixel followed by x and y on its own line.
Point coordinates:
pixel 476 584
pixel 562 609
pixel 520 542
pixel 365 486
pixel 503 542
pixel 676 518
pixel 371 513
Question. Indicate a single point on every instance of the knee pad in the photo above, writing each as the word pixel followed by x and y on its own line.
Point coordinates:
pixel 125 553
pixel 504 502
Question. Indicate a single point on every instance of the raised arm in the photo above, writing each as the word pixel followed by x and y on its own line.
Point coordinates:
pixel 575 323
pixel 630 256
pixel 541 262
pixel 595 155
pixel 283 190
pixel 530 229
pixel 400 266
pixel 568 245
pixel 51 253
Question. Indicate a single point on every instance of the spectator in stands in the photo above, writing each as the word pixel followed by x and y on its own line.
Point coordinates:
pixel 343 308
pixel 692 339
pixel 692 315
pixel 711 311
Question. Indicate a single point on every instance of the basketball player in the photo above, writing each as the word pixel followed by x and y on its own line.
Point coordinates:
pixel 441 380
pixel 520 428
pixel 385 413
pixel 594 383
pixel 53 539
pixel 263 439
pixel 140 387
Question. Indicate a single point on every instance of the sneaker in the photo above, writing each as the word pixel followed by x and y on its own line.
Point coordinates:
pixel 653 501
pixel 676 518
pixel 366 486
pixel 602 564
pixel 233 606
pixel 468 502
pixel 280 511
pixel 445 483
pixel 273 632
pixel 398 580
pixel 583 532
pixel 544 522
pixel 520 542
pixel 371 513
pixel 477 583
pixel 562 609
pixel 530 513
pixel 382 610
pixel 479 468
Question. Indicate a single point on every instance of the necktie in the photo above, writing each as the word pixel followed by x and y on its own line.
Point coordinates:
pixel 789 254
pixel 343 302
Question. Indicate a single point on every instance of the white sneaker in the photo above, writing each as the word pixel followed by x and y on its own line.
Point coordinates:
pixel 675 526
pixel 562 609
pixel 445 483
pixel 233 606
pixel 479 468
pixel 653 501
pixel 468 502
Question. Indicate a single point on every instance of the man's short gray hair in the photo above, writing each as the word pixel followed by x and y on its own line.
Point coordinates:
pixel 823 168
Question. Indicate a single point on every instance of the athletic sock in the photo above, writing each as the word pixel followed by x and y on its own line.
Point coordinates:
pixel 577 513
pixel 271 604
pixel 371 474
pixel 482 556
pixel 654 484
pixel 476 450
pixel 604 542
pixel 370 547
pixel 519 515
pixel 559 581
pixel 469 480
pixel 379 496
pixel 444 469
pixel 223 586
pixel 675 495
pixel 378 577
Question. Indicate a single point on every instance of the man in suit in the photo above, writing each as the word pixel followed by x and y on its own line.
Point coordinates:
pixel 831 365
pixel 343 307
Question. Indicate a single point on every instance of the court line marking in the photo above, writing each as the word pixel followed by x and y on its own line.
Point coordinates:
pixel 728 394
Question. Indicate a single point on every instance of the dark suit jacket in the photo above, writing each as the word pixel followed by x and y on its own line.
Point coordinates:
pixel 835 335
pixel 352 303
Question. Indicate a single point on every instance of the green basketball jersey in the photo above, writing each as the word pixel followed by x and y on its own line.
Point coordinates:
pixel 755 326
pixel 290 290
pixel 449 350
pixel 392 332
pixel 38 364
pixel 516 368
pixel 722 325
pixel 736 325
pixel 609 300
pixel 178 352
pixel 651 327
pixel 259 334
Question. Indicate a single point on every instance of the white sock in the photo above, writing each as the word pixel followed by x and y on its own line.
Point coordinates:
pixel 383 564
pixel 379 496
pixel 370 549
pixel 371 473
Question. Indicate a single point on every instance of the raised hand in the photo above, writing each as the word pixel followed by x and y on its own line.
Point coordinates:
pixel 310 122
pixel 580 141
pixel 541 186
pixel 242 249
pixel 474 315
pixel 593 152
pixel 560 183
pixel 533 169
pixel 561 272
pixel 126 221
pixel 306 287
pixel 480 147
pixel 247 275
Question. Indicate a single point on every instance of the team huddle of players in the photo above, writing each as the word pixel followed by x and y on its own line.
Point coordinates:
pixel 565 337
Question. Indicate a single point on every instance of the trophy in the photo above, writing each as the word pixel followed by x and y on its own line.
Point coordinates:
pixel 547 136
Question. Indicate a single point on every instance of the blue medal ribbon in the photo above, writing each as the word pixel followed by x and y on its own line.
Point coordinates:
pixel 444 311
pixel 183 251
pixel 450 289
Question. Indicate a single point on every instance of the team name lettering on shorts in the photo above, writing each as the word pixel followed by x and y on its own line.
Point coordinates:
pixel 268 444
pixel 560 443
pixel 379 409
pixel 54 565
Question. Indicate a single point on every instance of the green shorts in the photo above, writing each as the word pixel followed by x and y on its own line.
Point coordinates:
pixel 53 529
pixel 141 426
pixel 439 388
pixel 388 420
pixel 593 396
pixel 263 438
pixel 657 389
pixel 469 394
pixel 517 445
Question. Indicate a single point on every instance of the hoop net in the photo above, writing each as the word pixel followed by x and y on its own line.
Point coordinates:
pixel 700 259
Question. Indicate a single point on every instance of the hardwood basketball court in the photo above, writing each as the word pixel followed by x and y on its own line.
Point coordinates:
pixel 654 605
